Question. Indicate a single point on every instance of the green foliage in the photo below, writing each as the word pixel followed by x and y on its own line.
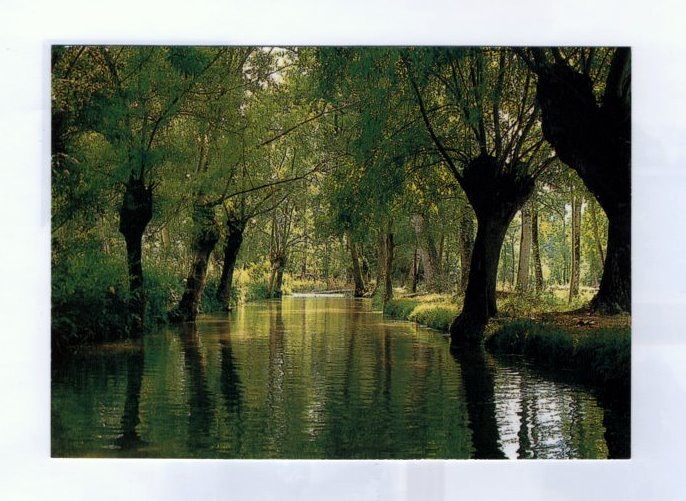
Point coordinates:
pixel 89 301
pixel 400 308
pixel 436 316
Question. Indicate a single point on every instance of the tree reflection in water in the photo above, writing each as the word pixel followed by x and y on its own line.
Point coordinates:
pixel 129 438
pixel 200 399
pixel 478 381
pixel 231 387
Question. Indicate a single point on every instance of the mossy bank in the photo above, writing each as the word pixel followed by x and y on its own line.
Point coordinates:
pixel 597 356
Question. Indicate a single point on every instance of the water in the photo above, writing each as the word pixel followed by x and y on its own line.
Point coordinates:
pixel 313 377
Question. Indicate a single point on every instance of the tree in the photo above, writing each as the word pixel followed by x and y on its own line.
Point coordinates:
pixel 500 155
pixel 593 136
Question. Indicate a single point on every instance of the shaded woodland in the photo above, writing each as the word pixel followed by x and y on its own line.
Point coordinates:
pixel 194 179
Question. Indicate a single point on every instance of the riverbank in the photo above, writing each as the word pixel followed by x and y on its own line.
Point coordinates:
pixel 596 349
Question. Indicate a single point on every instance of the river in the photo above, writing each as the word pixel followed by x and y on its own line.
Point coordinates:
pixel 315 377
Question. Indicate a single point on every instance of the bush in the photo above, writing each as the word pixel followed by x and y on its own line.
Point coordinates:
pixel 435 316
pixel 89 301
pixel 400 308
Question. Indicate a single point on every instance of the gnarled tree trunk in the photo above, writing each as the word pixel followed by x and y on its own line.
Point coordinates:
pixel 134 215
pixel 232 245
pixel 205 238
pixel 595 140
pixel 496 194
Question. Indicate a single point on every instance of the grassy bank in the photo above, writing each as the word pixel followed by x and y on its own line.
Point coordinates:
pixel 596 349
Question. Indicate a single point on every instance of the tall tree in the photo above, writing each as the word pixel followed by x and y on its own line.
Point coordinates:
pixel 593 136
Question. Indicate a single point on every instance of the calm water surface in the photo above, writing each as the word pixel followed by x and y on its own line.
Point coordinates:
pixel 313 378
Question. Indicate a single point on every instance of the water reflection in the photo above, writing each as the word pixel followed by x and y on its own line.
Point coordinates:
pixel 201 402
pixel 129 438
pixel 477 377
pixel 231 389
pixel 317 378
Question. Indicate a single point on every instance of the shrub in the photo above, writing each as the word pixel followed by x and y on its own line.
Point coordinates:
pixel 437 317
pixel 89 300
pixel 400 308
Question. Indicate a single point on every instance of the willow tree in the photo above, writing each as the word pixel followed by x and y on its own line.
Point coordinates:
pixel 134 95
pixel 585 99
pixel 478 108
pixel 212 127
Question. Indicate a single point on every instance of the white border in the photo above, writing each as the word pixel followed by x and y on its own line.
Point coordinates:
pixel 653 29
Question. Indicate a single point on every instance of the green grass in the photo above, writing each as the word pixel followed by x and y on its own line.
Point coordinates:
pixel 435 315
pixel 601 357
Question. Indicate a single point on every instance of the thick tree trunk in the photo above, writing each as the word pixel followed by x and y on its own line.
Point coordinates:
pixel 575 247
pixel 496 194
pixel 466 246
pixel 388 272
pixel 206 237
pixel 134 215
pixel 524 250
pixel 538 268
pixel 480 302
pixel 615 287
pixel 232 245
pixel 596 142
pixel 427 252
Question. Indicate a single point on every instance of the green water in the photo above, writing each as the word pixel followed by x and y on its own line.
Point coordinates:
pixel 312 378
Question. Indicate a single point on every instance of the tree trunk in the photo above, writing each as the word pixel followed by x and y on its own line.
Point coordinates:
pixel 381 260
pixel 574 274
pixel 232 245
pixel 496 194
pixel 204 241
pixel 427 252
pixel 357 272
pixel 538 268
pixel 134 215
pixel 466 246
pixel 388 272
pixel 276 276
pixel 414 272
pixel 595 140
pixel 524 250
pixel 614 294
pixel 596 234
